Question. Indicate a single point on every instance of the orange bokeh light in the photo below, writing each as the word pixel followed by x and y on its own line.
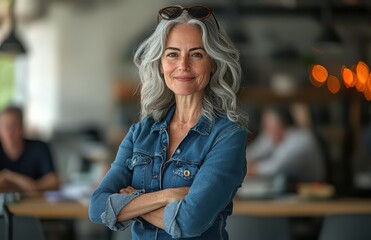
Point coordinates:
pixel 319 75
pixel 367 94
pixel 358 76
pixel 348 77
pixel 367 91
pixel 362 71
pixel 333 84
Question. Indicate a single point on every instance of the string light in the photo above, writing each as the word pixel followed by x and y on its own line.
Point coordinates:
pixel 319 75
pixel 349 77
pixel 333 84
pixel 362 71
pixel 367 92
pixel 358 76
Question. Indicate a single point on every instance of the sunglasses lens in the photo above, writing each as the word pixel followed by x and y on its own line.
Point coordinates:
pixel 171 12
pixel 199 12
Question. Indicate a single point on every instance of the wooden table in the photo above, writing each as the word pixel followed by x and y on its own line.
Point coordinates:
pixel 294 207
pixel 290 207
pixel 41 208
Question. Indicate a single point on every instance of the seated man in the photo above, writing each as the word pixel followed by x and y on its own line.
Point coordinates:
pixel 25 165
pixel 283 149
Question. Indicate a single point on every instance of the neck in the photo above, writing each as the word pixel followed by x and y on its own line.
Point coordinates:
pixel 188 109
pixel 13 150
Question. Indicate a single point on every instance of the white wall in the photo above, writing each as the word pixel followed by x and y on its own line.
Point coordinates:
pixel 74 57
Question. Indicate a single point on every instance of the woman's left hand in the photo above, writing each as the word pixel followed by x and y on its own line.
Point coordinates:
pixel 127 190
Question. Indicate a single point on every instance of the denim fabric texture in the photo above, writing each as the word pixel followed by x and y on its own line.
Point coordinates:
pixel 210 160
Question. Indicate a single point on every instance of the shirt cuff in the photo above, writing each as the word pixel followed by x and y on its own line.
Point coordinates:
pixel 115 203
pixel 170 224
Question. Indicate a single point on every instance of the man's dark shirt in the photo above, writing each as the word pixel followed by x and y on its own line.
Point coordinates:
pixel 35 161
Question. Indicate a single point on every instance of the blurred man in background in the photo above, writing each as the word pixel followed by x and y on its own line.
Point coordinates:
pixel 25 165
pixel 284 149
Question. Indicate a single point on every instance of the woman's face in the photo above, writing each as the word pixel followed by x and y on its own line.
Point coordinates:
pixel 185 64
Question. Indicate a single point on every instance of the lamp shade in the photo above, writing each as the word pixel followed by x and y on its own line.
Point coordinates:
pixel 12 44
pixel 329 35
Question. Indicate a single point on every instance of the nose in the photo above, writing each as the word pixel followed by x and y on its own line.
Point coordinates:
pixel 184 64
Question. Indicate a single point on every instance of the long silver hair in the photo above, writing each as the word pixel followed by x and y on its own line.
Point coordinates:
pixel 220 94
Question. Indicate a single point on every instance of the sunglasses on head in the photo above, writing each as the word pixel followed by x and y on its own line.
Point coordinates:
pixel 197 12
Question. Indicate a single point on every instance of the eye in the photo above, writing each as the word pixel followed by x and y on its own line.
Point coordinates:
pixel 172 54
pixel 197 55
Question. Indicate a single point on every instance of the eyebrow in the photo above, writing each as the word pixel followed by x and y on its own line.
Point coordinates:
pixel 192 49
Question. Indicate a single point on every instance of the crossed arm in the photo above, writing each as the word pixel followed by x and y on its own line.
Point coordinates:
pixel 172 209
pixel 150 206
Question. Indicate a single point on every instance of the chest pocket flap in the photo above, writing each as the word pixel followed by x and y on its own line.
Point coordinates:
pixel 137 160
pixel 186 170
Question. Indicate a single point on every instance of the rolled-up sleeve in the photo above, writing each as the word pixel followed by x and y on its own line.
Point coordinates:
pixel 114 205
pixel 213 188
pixel 106 202
pixel 170 213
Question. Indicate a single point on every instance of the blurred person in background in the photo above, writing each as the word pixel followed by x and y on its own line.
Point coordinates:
pixel 362 162
pixel 178 169
pixel 25 165
pixel 284 149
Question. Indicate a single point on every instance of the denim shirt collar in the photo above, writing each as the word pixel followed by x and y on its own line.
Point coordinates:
pixel 203 126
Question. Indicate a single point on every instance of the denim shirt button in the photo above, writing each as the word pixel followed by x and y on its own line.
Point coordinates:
pixel 186 173
pixel 178 151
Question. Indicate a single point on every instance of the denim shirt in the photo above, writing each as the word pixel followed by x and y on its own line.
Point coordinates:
pixel 210 160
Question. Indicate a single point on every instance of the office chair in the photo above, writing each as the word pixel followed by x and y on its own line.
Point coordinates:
pixel 346 227
pixel 258 228
pixel 23 228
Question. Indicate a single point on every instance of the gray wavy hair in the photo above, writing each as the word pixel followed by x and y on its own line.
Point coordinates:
pixel 220 94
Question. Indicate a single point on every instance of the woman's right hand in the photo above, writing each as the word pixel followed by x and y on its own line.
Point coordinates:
pixel 175 194
pixel 127 190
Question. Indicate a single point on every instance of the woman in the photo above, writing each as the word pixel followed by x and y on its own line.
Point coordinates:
pixel 177 170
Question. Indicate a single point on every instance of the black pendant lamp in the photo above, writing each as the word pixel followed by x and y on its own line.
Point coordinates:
pixel 11 43
pixel 329 34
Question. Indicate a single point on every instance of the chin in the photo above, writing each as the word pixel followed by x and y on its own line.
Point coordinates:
pixel 184 91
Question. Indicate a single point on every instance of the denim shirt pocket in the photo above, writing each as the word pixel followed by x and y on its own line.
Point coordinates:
pixel 140 165
pixel 184 174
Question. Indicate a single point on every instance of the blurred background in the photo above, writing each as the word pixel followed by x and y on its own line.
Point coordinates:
pixel 76 81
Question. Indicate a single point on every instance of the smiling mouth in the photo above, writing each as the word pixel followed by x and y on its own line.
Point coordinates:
pixel 184 79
